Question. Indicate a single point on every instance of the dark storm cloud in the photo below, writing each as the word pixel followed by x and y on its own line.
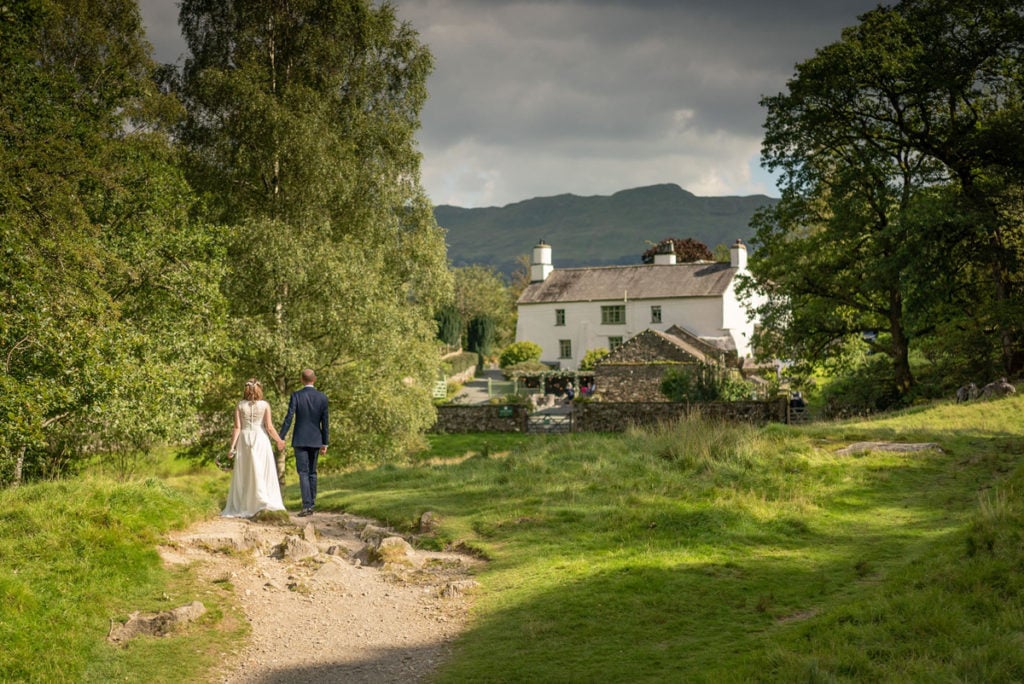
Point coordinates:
pixel 548 96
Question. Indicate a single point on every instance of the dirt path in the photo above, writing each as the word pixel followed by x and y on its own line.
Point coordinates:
pixel 323 612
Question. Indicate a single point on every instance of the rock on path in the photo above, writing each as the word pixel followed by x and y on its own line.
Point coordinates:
pixel 328 617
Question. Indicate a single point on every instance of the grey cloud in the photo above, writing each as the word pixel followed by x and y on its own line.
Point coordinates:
pixel 623 89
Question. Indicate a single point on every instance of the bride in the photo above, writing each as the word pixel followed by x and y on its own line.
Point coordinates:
pixel 254 486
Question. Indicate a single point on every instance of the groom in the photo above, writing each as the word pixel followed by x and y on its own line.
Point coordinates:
pixel 308 406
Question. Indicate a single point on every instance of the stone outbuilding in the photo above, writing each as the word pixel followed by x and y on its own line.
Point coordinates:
pixel 634 371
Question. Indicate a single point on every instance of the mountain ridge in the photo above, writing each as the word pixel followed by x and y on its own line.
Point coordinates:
pixel 594 230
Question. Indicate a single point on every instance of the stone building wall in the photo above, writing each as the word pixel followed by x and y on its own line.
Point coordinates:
pixel 631 382
pixel 648 347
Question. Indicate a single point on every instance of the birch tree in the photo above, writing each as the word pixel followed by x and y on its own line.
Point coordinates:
pixel 300 135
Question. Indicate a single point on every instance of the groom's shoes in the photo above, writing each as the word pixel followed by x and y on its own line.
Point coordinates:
pixel 306 512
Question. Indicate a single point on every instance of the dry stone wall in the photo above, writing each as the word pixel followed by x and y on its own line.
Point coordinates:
pixel 600 416
pixel 486 418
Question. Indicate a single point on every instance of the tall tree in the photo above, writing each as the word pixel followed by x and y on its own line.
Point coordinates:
pixel 686 250
pixel 109 310
pixel 481 291
pixel 480 335
pixel 449 326
pixel 300 132
pixel 886 214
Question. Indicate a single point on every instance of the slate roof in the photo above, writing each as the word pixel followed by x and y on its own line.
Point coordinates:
pixel 644 281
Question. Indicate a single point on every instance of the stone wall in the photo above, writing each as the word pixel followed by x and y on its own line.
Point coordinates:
pixel 601 416
pixel 485 418
pixel 640 382
pixel 463 377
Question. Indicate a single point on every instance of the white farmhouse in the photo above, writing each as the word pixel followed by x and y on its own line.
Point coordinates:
pixel 570 311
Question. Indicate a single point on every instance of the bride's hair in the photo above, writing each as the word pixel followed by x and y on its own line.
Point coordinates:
pixel 253 390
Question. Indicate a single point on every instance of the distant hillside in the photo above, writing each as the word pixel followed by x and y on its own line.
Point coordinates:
pixel 594 231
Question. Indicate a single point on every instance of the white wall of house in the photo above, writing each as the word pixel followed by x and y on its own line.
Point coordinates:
pixel 583 329
pixel 737 321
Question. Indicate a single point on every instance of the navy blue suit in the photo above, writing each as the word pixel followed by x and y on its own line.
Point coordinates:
pixel 308 407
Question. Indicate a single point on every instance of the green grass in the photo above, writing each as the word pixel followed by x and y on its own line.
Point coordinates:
pixel 76 554
pixel 704 552
pixel 698 552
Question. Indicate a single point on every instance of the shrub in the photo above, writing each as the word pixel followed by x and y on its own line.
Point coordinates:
pixel 704 382
pixel 461 362
pixel 591 358
pixel 867 389
pixel 518 352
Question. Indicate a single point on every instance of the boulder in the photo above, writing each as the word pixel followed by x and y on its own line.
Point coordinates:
pixel 967 393
pixel 999 388
pixel 154 624
pixel 295 548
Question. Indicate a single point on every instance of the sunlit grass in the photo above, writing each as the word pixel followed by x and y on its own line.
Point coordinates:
pixel 77 554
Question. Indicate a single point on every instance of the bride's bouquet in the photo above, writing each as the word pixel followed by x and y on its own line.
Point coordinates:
pixel 225 464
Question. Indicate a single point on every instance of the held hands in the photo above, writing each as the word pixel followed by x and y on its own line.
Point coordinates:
pixel 280 445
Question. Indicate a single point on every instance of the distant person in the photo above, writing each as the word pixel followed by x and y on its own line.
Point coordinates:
pixel 570 392
pixel 796 400
pixel 308 406
pixel 254 485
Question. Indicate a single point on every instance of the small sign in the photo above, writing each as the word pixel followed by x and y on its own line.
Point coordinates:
pixel 506 411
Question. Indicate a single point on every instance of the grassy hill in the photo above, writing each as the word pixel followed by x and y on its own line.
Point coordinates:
pixel 697 552
pixel 594 231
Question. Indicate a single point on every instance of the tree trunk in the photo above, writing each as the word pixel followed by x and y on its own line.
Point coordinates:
pixel 900 344
pixel 19 464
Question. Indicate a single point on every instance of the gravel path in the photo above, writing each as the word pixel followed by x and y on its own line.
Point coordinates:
pixel 330 616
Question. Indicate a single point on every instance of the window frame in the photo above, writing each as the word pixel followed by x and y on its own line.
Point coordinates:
pixel 656 313
pixel 565 349
pixel 559 318
pixel 613 314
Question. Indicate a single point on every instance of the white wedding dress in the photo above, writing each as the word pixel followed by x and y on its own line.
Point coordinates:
pixel 254 486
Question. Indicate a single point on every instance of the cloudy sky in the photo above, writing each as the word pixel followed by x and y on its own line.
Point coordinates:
pixel 541 97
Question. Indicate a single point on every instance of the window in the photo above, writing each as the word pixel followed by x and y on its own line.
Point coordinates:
pixel 565 349
pixel 559 316
pixel 613 315
pixel 614 343
pixel 655 314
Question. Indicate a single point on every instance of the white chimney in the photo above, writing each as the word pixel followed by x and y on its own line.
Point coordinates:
pixel 540 265
pixel 738 255
pixel 666 254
